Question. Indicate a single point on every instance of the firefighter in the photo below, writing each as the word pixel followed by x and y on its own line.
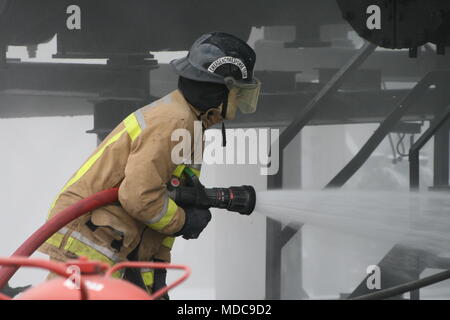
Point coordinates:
pixel 215 79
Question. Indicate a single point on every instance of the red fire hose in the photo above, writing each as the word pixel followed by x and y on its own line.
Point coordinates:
pixel 56 223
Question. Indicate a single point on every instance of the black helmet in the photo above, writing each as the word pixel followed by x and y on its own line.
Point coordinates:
pixel 222 58
pixel 215 56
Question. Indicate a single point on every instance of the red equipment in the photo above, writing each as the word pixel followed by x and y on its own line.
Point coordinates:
pixel 92 280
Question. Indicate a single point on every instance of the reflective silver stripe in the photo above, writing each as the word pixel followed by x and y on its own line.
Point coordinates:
pixel 151 105
pixel 105 251
pixel 63 231
pixel 196 166
pixel 166 99
pixel 161 213
pixel 140 119
pixel 143 270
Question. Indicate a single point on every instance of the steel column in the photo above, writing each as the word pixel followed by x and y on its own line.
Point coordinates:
pixel 3 50
pixel 441 156
pixel 435 126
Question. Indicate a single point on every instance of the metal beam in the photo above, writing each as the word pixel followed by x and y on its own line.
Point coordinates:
pixel 344 107
pixel 106 80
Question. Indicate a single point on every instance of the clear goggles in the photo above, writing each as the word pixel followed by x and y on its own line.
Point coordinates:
pixel 248 93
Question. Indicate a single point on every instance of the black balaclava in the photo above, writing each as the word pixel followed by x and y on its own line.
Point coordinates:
pixel 204 96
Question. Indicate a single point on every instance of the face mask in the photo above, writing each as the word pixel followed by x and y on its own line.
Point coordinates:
pixel 245 95
pixel 232 104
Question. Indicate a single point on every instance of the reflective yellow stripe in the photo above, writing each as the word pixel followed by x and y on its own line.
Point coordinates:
pixel 167 218
pixel 88 164
pixel 133 129
pixel 77 247
pixel 178 170
pixel 132 125
pixel 80 249
pixel 196 172
pixel 168 242
pixel 55 240
pixel 161 213
pixel 148 278
pixel 183 168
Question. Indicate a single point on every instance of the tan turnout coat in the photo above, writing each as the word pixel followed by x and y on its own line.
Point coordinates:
pixel 136 157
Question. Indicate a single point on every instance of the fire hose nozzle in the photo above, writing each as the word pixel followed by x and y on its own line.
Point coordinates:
pixel 236 199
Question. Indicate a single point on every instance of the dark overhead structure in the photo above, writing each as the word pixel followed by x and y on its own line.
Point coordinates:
pixel 124 33
pixel 405 24
pixel 134 27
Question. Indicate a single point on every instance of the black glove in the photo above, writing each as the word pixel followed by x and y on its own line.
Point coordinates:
pixel 160 281
pixel 196 220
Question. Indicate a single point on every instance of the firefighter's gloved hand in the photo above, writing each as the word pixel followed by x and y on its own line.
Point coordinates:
pixel 196 220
